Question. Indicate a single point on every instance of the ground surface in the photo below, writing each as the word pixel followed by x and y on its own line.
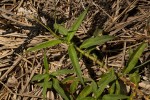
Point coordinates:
pixel 129 20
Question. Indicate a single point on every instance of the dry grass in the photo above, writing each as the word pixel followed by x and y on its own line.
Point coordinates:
pixel 129 20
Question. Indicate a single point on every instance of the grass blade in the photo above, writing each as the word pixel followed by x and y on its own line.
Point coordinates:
pixel 44 45
pixel 134 58
pixel 99 40
pixel 58 88
pixel 76 25
pixel 75 62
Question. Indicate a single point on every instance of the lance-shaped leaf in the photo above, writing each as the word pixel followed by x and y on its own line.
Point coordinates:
pixel 85 92
pixel 44 45
pixel 106 79
pixel 76 25
pixel 58 88
pixel 99 40
pixel 74 86
pixel 134 58
pixel 75 62
pixel 62 30
pixel 114 97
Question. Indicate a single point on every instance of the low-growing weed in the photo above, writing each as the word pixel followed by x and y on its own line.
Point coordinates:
pixel 108 87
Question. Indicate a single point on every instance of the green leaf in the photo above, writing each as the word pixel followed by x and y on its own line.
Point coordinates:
pixel 97 32
pixel 106 79
pixel 70 79
pixel 74 86
pixel 46 63
pixel 114 97
pixel 135 77
pixel 62 71
pixel 85 92
pixel 44 45
pixel 134 58
pixel 112 88
pixel 45 85
pixel 49 84
pixel 75 62
pixel 93 41
pixel 62 30
pixel 117 87
pixel 58 88
pixel 94 86
pixel 88 98
pixel 76 25
pixel 38 77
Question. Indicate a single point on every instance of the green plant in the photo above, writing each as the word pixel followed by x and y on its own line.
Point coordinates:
pixel 49 80
pixel 91 89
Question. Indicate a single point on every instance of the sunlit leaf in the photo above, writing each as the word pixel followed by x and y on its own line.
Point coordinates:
pixel 62 30
pixel 85 92
pixel 114 97
pixel 75 62
pixel 45 45
pixel 134 58
pixel 58 88
pixel 93 41
pixel 76 25
pixel 62 71
pixel 106 79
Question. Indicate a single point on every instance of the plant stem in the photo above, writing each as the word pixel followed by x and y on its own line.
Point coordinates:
pixel 89 56
pixel 56 36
